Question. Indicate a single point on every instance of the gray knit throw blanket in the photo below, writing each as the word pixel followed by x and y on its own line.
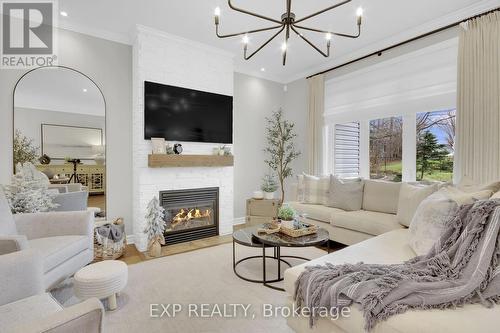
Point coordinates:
pixel 462 268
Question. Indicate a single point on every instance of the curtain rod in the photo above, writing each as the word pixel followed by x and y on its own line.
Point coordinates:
pixel 379 53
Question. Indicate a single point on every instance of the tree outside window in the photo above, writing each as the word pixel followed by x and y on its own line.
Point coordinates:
pixel 386 148
pixel 435 145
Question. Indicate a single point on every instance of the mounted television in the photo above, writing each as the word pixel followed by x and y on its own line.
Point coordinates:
pixel 179 114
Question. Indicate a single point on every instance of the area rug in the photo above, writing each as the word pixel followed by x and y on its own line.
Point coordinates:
pixel 202 281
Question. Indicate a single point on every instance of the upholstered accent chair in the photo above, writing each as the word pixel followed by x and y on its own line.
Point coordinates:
pixel 63 240
pixel 25 307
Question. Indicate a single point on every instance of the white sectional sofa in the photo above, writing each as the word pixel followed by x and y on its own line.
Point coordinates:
pixel 378 214
pixel 391 248
pixel 379 238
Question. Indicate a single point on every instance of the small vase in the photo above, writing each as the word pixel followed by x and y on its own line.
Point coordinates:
pixel 269 195
pixel 258 195
pixel 155 249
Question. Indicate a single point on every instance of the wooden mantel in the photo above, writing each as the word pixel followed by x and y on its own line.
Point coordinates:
pixel 173 161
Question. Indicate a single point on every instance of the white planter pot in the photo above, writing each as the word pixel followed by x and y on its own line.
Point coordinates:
pixel 258 195
pixel 269 195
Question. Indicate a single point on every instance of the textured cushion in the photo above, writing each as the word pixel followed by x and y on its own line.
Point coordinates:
pixel 316 189
pixel 372 223
pixel 381 196
pixel 57 250
pixel 7 224
pixel 410 197
pixel 315 212
pixel 432 214
pixel 345 194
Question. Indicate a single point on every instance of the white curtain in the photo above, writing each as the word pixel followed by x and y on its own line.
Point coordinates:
pixel 316 123
pixel 477 147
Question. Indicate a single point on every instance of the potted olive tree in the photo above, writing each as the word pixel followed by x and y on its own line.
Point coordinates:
pixel 281 151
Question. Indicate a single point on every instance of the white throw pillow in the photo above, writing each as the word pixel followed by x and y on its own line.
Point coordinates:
pixel 496 195
pixel 316 190
pixel 410 196
pixel 346 194
pixel 466 184
pixel 429 221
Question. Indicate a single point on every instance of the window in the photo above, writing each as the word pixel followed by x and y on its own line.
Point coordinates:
pixel 435 145
pixel 386 148
pixel 346 150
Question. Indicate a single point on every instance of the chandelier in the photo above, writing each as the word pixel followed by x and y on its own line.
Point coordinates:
pixel 287 23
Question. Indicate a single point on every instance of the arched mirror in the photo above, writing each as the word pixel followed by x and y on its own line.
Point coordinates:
pixel 60 127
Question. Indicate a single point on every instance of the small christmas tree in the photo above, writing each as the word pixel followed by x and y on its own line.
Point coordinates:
pixel 155 226
pixel 28 192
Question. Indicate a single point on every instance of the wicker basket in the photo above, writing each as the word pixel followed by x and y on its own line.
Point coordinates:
pixel 108 250
pixel 311 229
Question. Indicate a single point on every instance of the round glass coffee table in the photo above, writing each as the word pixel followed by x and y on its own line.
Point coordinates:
pixel 251 238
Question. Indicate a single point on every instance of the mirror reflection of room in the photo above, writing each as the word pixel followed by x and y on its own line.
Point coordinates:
pixel 59 132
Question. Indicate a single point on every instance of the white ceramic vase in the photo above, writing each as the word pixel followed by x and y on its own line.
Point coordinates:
pixel 269 195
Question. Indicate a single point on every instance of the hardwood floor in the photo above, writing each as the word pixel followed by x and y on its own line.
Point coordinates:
pixel 133 256
pixel 98 200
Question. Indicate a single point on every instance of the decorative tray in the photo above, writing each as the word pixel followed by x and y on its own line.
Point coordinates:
pixel 306 229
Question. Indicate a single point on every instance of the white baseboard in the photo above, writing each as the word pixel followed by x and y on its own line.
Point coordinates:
pixel 239 220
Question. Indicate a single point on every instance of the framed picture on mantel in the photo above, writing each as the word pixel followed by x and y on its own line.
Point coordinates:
pixel 159 146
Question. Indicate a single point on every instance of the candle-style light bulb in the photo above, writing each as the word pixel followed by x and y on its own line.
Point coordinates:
pixel 217 15
pixel 245 39
pixel 359 14
pixel 328 36
pixel 283 47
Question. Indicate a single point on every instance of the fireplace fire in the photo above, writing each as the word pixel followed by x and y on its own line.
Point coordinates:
pixel 190 214
pixel 190 217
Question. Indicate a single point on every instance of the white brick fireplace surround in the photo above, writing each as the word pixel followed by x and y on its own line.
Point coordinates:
pixel 171 60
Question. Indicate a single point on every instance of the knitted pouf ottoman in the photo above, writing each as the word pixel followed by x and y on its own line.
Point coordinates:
pixel 104 279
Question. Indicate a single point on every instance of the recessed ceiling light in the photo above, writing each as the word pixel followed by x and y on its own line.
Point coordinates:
pixel 63 13
pixel 84 89
pixel 262 69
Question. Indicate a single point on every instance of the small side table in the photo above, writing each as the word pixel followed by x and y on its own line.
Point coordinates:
pixel 261 211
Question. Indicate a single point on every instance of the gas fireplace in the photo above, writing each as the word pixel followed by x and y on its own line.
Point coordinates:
pixel 190 214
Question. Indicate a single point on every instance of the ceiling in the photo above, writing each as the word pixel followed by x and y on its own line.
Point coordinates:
pixel 385 22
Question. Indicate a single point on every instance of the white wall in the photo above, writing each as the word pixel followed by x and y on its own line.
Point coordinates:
pixel 171 60
pixel 254 100
pixel 109 64
pixel 296 110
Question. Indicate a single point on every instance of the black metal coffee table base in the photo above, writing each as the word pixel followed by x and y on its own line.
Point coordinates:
pixel 274 257
pixel 246 237
pixel 279 259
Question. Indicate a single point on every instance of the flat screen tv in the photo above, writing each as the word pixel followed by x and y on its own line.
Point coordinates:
pixel 179 114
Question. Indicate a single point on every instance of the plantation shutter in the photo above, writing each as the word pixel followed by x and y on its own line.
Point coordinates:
pixel 346 150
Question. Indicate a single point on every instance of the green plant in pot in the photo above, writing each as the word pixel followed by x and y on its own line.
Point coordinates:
pixel 269 186
pixel 287 216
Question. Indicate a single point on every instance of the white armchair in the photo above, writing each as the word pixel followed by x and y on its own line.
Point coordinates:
pixel 63 240
pixel 26 308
